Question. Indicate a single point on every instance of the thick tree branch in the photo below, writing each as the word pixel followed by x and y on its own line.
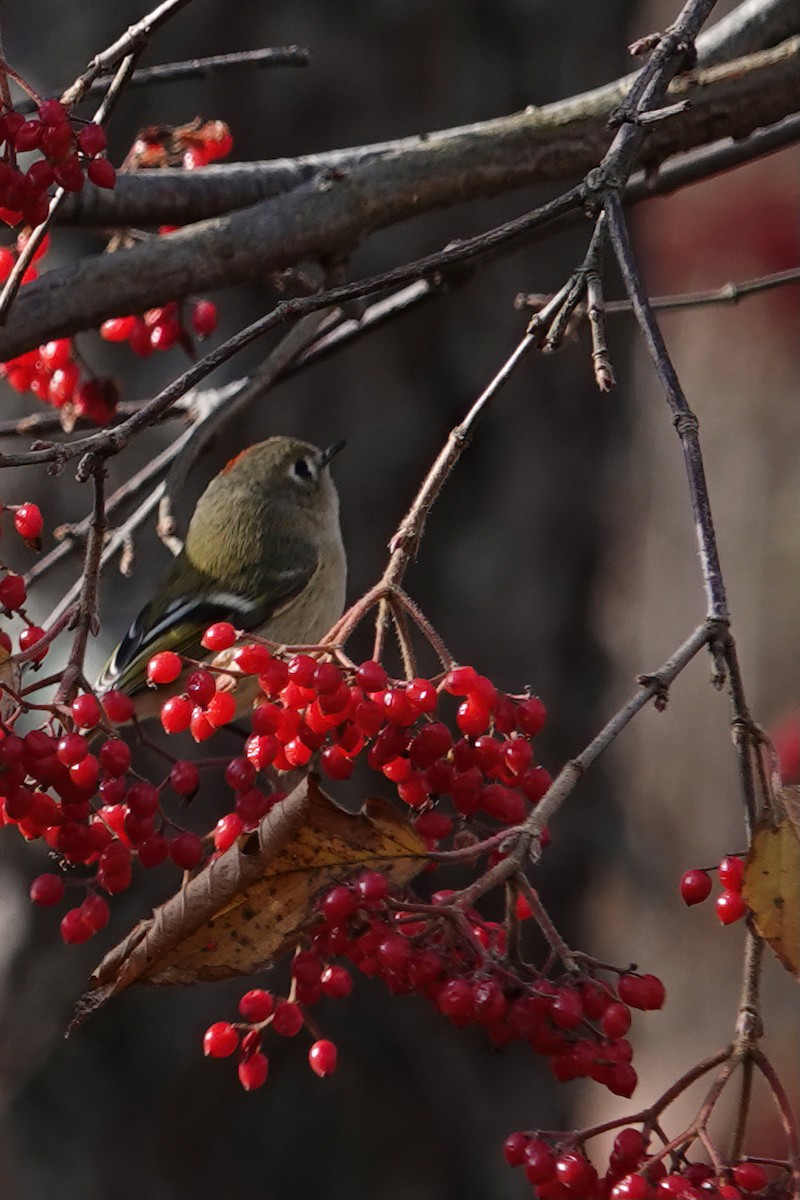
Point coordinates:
pixel 330 214
pixel 556 142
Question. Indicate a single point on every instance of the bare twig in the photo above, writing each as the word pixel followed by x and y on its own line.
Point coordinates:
pixel 685 421
pixel 204 68
pixel 86 617
pixel 134 38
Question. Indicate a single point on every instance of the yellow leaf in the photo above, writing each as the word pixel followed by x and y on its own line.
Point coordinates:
pixel 252 903
pixel 9 679
pixel 772 878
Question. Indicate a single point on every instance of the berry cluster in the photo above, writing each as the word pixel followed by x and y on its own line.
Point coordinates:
pixel 457 960
pixel 261 1011
pixel 29 524
pixel 307 707
pixel 560 1170
pixel 189 146
pixel 81 797
pixel 730 905
pixel 162 328
pixel 68 150
pixel 53 372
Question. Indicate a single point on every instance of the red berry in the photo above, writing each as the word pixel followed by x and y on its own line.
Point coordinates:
pixel 336 763
pixel 253 1071
pixel 186 850
pixel 566 1008
pixel 220 709
pixel 115 756
pixel 227 830
pixel 219 637
pixel 730 907
pixel 338 903
pixel 645 992
pixel 92 140
pixel 95 912
pixel 731 873
pixel 184 778
pixel 575 1172
pixel 616 1021
pixel 102 173
pixel 695 886
pixel 531 715
pixel 74 929
pixel 514 1149
pixel 255 1006
pixel 422 695
pixel 371 676
pixel 86 711
pixel 13 592
pixel 53 112
pixel 473 715
pixel 540 1162
pixel 372 887
pixel 119 708
pixel 117 329
pixel 153 850
pixel 29 522
pixel 29 136
pixel 201 686
pixel 220 1040
pixel 336 982
pixel 47 890
pixel 29 637
pixel 164 667
pixel 56 354
pixel 460 681
pixel 629 1145
pixel 750 1176
pixel 288 1019
pixel 176 713
pixel 322 1058
pixel 204 317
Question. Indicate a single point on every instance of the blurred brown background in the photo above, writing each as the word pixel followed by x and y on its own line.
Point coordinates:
pixel 561 555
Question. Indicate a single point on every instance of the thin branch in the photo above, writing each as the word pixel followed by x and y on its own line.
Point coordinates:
pixel 201 68
pixel 86 618
pixel 134 38
pixel 685 421
pixel 653 686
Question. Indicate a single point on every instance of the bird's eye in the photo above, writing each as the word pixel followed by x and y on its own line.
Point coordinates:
pixel 303 470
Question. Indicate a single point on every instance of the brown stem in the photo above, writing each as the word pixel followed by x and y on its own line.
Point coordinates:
pixel 87 605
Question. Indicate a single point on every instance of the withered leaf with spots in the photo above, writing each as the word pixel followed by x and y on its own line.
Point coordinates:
pixel 253 902
pixel 772 878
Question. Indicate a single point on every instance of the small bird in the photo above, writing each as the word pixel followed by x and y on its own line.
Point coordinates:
pixel 263 550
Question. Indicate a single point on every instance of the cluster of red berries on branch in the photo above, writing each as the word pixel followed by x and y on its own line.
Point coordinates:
pixel 67 151
pixel 306 707
pixel 696 887
pixel 558 1168
pixel 54 372
pixel 29 524
pixel 458 961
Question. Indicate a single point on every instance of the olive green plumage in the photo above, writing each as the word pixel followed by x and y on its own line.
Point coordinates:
pixel 263 551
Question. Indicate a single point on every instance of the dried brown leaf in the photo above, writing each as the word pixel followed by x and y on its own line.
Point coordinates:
pixel 242 911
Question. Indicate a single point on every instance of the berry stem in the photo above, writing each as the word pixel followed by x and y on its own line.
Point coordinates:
pixel 86 613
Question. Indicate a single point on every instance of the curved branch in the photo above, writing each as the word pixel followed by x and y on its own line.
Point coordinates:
pixel 555 142
pixel 329 215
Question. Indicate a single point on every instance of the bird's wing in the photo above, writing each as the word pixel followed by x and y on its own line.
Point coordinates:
pixel 181 623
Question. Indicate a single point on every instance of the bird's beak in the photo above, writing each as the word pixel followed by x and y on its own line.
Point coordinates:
pixel 326 455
